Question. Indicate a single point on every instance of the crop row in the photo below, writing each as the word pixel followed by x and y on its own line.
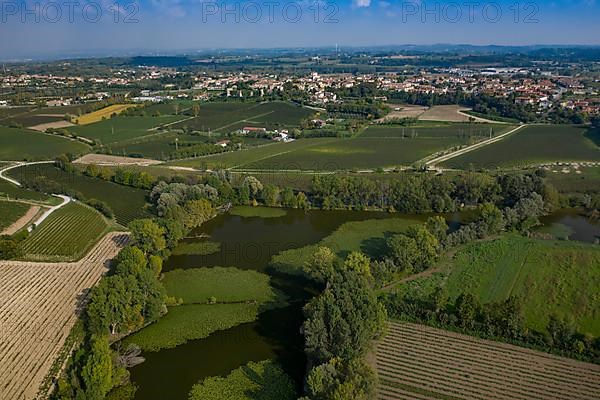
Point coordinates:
pixel 434 364
pixel 39 304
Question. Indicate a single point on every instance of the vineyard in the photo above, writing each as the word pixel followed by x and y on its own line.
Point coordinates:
pixel 38 308
pixel 419 362
pixel 66 234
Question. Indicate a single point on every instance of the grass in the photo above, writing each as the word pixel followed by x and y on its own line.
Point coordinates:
pixel 259 212
pixel 126 202
pixel 229 285
pixel 243 158
pixel 586 181
pixel 240 297
pixel 10 212
pixel 434 130
pixel 367 236
pixel 10 191
pixel 121 129
pixel 66 234
pixel 103 113
pixel 356 153
pixel 191 322
pixel 22 144
pixel 263 380
pixel 548 276
pixel 535 144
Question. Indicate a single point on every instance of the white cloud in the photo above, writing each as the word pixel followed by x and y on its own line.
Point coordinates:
pixel 361 3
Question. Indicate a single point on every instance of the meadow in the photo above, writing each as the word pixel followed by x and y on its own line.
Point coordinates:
pixel 127 203
pixel 263 380
pixel 66 234
pixel 211 299
pixel 367 236
pixel 11 211
pixel 549 277
pixel 535 144
pixel 13 192
pixel 103 113
pixel 22 144
pixel 121 128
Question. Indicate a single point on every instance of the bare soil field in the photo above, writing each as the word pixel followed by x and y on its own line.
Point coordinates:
pixel 420 362
pixel 104 159
pixel 449 113
pixel 39 304
pixel 400 111
pixel 53 125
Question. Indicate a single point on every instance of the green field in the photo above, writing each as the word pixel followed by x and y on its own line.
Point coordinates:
pixel 534 145
pixel 230 116
pixel 245 157
pixel 66 234
pixel 239 296
pixel 11 211
pixel 263 380
pixel 582 180
pixel 357 153
pixel 367 236
pixel 23 144
pixel 8 190
pixel 28 116
pixel 435 130
pixel 126 202
pixel 119 129
pixel 548 276
pixel 228 285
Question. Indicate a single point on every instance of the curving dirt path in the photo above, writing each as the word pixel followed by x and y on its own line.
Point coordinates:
pixel 39 304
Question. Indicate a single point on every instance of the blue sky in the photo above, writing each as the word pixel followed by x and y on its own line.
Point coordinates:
pixel 106 25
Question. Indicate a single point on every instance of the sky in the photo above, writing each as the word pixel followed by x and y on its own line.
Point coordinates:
pixel 40 28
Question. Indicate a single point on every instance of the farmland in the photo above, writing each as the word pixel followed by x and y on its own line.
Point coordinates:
pixel 230 116
pixel 550 277
pixel 419 362
pixel 434 130
pixel 103 113
pixel 66 234
pixel 11 211
pixel 535 145
pixel 8 190
pixel 22 144
pixel 40 305
pixel 30 116
pixel 120 128
pixel 91 188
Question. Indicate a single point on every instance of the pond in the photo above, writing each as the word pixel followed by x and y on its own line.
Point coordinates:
pixel 250 243
pixel 571 224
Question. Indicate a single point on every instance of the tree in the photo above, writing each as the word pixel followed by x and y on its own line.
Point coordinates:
pixel 341 380
pixel 270 195
pixel 343 320
pixel 254 186
pixel 302 201
pixel 321 264
pixel 97 370
pixel 196 109
pixel 147 235
pixel 427 246
pixel 403 250
pixel 491 217
pixel 197 212
pixel 466 309
pixel 438 227
pixel 130 260
pixel 359 263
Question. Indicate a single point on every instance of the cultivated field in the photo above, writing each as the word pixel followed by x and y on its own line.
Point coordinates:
pixel 416 362
pixel 108 160
pixel 534 145
pixel 39 305
pixel 23 144
pixel 104 113
pixel 451 113
pixel 66 234
pixel 10 212
pixel 228 117
pixel 120 129
pixel 127 203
